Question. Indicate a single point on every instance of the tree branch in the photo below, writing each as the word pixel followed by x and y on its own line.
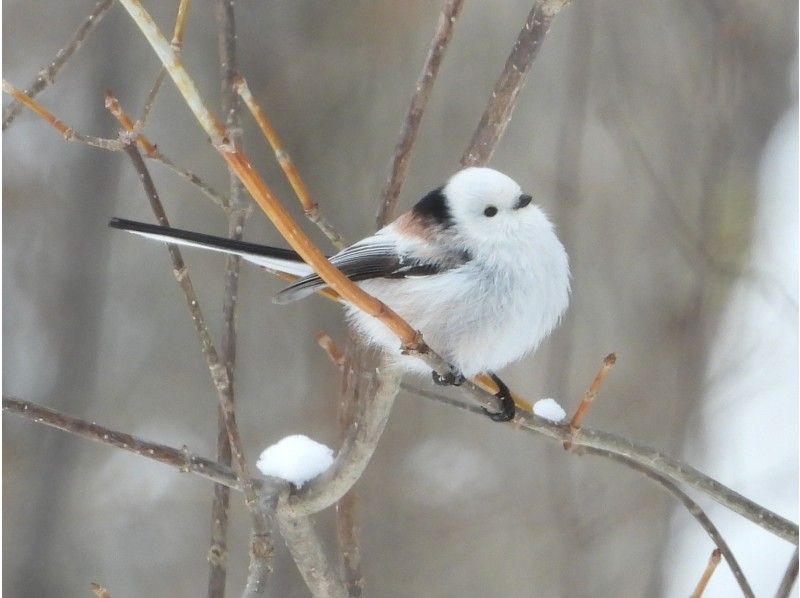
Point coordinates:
pixel 310 207
pixel 691 506
pixel 47 76
pixel 713 561
pixel 669 467
pixel 506 90
pixel 408 134
pixel 182 460
pixel 307 552
pixel 789 578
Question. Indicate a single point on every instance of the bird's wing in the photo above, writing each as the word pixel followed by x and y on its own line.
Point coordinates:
pixel 377 256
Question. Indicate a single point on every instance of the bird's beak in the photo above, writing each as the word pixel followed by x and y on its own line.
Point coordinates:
pixel 523 201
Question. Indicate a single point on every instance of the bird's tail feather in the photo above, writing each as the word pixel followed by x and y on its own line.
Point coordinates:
pixel 272 258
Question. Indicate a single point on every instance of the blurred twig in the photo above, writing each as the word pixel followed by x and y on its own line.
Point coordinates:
pixel 506 90
pixel 177 44
pixel 310 207
pixel 100 591
pixel 789 578
pixel 218 551
pixel 713 561
pixel 424 86
pixel 47 76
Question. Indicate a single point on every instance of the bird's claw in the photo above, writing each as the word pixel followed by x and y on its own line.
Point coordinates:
pixel 452 378
pixel 507 407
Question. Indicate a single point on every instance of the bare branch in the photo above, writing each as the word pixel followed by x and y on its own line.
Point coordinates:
pixel 693 508
pixel 306 549
pixel 408 134
pixel 355 452
pixel 47 76
pixel 713 561
pixel 182 460
pixel 669 467
pixel 590 395
pixel 67 132
pixel 151 151
pixel 219 373
pixel 789 578
pixel 310 207
pixel 177 44
pixel 506 90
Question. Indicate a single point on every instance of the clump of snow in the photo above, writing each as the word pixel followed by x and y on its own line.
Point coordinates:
pixel 296 459
pixel 549 409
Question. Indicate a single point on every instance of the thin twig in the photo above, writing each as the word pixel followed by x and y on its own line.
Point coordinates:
pixel 693 508
pixel 177 44
pixel 591 394
pixel 506 90
pixel 669 467
pixel 47 76
pixel 66 131
pixel 261 548
pixel 789 578
pixel 408 134
pixel 182 459
pixel 713 561
pixel 152 152
pixel 219 373
pixel 310 207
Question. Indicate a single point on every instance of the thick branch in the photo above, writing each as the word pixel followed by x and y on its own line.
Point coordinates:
pixel 506 90
pixel 355 452
pixel 47 76
pixel 408 134
pixel 306 549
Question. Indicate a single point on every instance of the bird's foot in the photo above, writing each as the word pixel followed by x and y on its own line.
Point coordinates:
pixel 452 378
pixel 507 408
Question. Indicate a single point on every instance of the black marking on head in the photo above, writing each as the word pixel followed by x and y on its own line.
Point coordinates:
pixel 433 207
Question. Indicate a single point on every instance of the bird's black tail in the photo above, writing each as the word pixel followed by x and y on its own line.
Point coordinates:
pixel 273 258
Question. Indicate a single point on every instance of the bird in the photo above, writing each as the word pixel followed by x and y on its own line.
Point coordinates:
pixel 475 265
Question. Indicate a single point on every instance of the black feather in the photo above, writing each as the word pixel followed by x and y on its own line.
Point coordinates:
pixel 433 207
pixel 203 239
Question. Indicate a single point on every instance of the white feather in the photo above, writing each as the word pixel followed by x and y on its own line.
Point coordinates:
pixel 270 263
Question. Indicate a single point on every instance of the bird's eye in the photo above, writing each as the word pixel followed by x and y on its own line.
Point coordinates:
pixel 490 211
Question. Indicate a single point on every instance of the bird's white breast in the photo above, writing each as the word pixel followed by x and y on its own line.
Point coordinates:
pixel 480 316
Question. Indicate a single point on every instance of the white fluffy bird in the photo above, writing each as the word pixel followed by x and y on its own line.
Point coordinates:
pixel 474 265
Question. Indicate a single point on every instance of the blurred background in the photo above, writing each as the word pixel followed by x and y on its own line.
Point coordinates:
pixel 661 137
